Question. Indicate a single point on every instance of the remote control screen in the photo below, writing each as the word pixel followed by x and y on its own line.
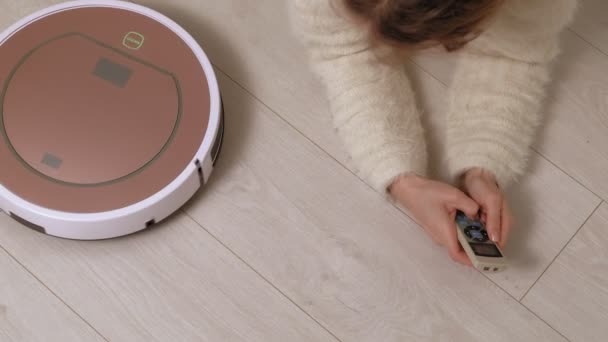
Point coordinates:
pixel 485 250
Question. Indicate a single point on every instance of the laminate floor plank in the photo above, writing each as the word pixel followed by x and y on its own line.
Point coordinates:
pixel 573 293
pixel 171 283
pixel 266 61
pixel 591 23
pixel 29 312
pixel 336 248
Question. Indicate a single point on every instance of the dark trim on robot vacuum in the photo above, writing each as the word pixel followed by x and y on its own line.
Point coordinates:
pixel 216 149
pixel 27 223
pixel 219 141
pixel 199 168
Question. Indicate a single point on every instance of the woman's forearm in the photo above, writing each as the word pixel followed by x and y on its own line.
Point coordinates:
pixel 372 103
pixel 498 91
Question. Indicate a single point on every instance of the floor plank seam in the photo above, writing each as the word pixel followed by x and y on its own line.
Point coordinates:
pixel 402 212
pixel 306 312
pixel 542 320
pixel 527 308
pixel 53 293
pixel 322 326
pixel 394 205
pixel 288 123
pixel 325 152
pixel 534 314
pixel 597 48
pixel 428 72
pixel 562 249
pixel 569 175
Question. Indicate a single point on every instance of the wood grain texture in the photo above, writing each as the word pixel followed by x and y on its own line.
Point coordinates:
pixel 592 24
pixel 251 41
pixel 348 258
pixel 550 207
pixel 337 248
pixel 173 283
pixel 29 312
pixel 573 293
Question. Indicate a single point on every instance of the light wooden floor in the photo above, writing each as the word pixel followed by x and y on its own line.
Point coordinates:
pixel 288 244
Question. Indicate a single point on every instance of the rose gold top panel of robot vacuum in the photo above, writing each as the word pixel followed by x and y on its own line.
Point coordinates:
pixel 101 108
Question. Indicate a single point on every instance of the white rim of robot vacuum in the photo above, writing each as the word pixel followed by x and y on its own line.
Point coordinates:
pixel 177 183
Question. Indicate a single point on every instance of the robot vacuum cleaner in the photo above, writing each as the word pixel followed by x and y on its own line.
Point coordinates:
pixel 110 119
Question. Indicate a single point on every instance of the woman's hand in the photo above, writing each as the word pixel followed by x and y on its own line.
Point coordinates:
pixel 481 186
pixel 433 206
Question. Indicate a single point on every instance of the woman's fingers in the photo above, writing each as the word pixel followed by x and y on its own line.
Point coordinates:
pixel 456 252
pixel 493 205
pixel 461 257
pixel 459 200
pixel 506 225
pixel 433 235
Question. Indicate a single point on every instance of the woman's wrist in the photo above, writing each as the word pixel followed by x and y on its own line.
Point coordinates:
pixel 404 181
pixel 478 172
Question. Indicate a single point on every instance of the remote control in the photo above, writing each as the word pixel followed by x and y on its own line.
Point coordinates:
pixel 485 255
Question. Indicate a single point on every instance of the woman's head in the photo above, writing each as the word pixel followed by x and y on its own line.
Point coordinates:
pixel 420 23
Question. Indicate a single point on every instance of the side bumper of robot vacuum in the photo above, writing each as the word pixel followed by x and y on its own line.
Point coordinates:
pixel 129 220
pixel 148 211
pixel 100 226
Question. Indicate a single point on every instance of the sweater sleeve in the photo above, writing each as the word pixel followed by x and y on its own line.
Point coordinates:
pixel 372 103
pixel 497 93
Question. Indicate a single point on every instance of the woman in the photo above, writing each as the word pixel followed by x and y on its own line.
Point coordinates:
pixel 507 47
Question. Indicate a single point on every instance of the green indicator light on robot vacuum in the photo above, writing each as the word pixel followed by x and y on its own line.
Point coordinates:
pixel 133 40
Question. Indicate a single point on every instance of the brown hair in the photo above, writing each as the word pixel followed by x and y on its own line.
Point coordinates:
pixel 422 23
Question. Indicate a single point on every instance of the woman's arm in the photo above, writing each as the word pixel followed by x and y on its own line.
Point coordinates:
pixel 372 104
pixel 497 93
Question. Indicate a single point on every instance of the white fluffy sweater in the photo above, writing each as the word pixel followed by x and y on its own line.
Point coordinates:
pixel 495 97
